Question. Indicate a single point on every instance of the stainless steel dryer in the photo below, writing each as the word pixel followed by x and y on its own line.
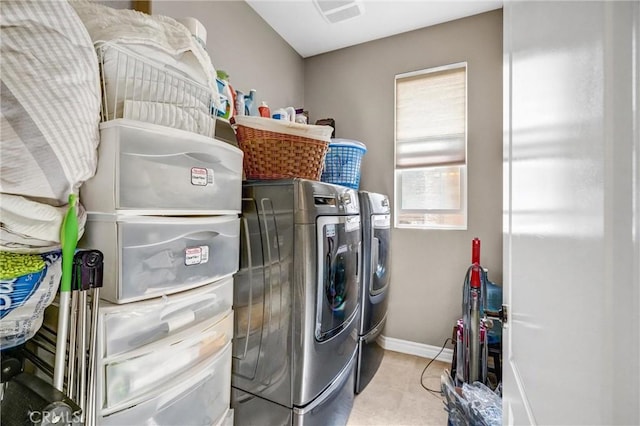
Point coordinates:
pixel 376 230
pixel 296 303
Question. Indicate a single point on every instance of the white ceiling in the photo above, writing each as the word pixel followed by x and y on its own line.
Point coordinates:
pixel 301 25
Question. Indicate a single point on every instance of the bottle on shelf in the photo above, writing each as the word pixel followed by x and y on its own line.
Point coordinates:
pixel 264 110
pixel 291 113
pixel 248 103
pixel 240 103
pixel 280 114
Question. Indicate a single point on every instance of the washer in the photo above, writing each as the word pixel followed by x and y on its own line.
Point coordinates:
pixel 296 301
pixel 376 233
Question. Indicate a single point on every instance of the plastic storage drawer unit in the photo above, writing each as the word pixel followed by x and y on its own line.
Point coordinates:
pixel 134 377
pixel 148 169
pixel 146 257
pixel 124 328
pixel 201 399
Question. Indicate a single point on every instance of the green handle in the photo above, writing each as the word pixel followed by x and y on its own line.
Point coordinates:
pixel 68 240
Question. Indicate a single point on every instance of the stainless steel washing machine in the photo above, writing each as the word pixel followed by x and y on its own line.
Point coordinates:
pixel 296 303
pixel 376 230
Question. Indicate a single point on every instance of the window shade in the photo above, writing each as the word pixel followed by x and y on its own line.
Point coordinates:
pixel 431 118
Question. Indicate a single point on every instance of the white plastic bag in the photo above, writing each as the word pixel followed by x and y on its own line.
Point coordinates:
pixel 24 298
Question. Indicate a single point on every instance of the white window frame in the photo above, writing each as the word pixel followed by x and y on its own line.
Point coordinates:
pixel 463 210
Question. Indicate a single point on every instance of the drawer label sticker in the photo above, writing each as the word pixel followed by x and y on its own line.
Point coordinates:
pixel 196 255
pixel 201 176
pixel 204 257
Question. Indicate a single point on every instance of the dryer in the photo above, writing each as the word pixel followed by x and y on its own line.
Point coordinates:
pixel 376 233
pixel 296 300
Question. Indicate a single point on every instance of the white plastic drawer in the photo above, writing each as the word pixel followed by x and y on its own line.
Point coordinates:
pixel 201 399
pixel 146 257
pixel 128 327
pixel 149 169
pixel 139 375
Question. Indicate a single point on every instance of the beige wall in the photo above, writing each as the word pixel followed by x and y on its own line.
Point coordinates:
pixel 249 50
pixel 355 86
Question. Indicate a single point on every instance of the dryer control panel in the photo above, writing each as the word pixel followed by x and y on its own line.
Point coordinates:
pixel 343 203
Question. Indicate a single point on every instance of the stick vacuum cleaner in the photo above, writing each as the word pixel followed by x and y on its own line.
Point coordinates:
pixel 471 333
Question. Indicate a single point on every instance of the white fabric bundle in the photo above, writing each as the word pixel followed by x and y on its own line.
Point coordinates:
pixel 160 38
pixel 49 115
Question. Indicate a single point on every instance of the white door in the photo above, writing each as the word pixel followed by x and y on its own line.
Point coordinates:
pixel 572 221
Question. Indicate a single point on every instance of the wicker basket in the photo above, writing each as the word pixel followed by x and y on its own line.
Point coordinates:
pixel 280 150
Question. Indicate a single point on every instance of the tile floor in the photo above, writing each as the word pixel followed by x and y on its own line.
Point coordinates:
pixel 394 397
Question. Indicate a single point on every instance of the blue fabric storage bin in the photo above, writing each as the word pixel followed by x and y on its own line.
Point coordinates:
pixel 342 163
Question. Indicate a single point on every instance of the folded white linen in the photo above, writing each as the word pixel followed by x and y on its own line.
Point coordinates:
pixel 132 27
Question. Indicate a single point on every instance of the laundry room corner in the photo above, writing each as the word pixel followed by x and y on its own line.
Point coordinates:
pixel 427 266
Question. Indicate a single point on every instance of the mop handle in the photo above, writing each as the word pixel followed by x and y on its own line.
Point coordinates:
pixel 68 241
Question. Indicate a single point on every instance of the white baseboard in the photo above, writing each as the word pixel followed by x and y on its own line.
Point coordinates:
pixel 413 348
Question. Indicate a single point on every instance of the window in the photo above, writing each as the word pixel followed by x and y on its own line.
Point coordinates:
pixel 430 148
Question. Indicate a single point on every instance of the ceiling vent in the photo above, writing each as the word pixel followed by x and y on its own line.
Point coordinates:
pixel 335 11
